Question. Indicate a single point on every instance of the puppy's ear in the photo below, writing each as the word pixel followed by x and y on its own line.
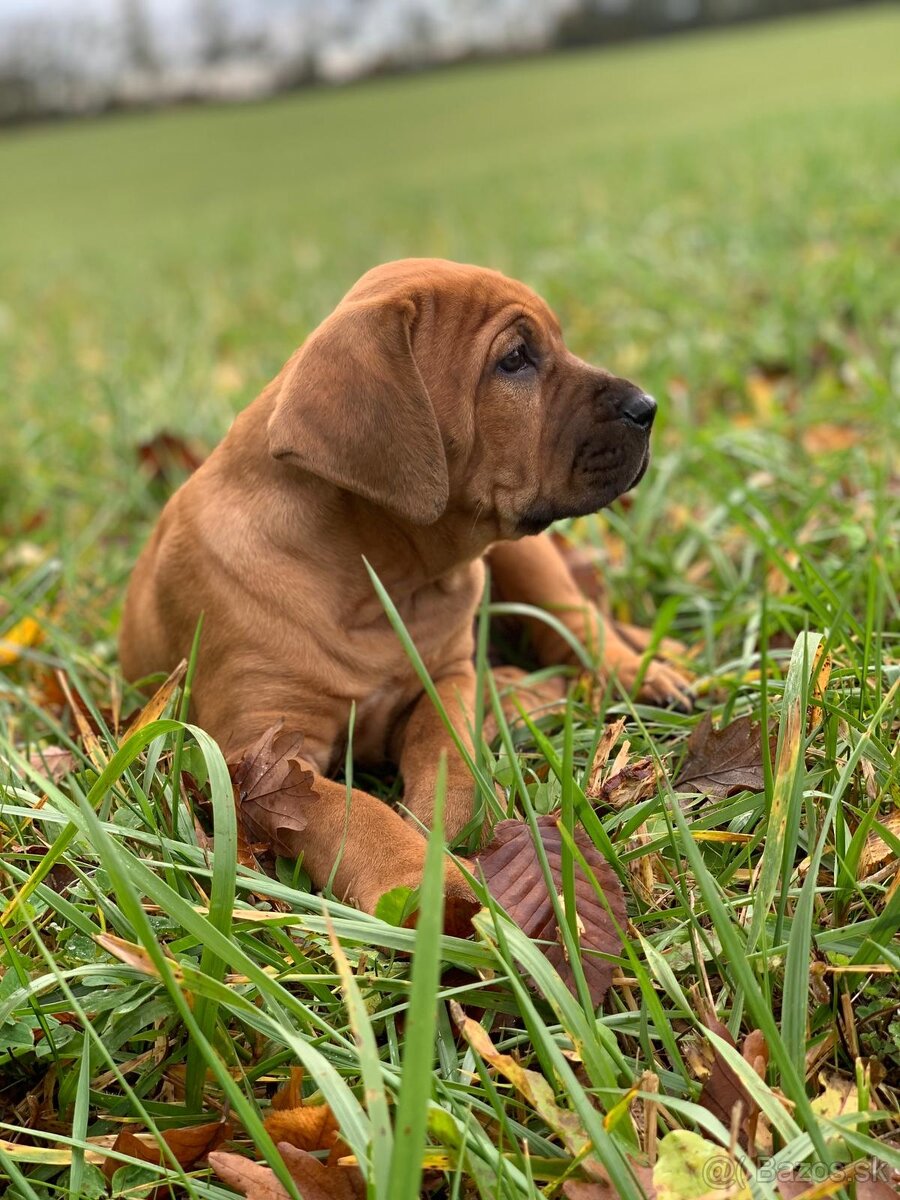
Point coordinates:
pixel 353 409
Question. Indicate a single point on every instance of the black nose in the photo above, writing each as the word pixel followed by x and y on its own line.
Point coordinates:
pixel 639 409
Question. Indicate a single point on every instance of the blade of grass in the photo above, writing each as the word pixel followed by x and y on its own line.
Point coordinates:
pixel 414 1099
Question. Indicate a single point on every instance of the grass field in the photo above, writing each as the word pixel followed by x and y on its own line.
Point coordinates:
pixel 715 216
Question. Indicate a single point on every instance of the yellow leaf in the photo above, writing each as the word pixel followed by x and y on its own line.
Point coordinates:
pixel 761 393
pixel 133 955
pixel 23 635
pixel 156 705
pixel 837 1097
pixel 531 1085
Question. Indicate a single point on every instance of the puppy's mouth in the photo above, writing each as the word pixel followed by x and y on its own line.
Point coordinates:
pixel 642 471
pixel 543 513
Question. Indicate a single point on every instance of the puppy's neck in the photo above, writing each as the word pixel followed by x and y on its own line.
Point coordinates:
pixel 408 556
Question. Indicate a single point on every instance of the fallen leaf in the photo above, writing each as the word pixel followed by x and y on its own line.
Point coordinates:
pixel 513 874
pixel 188 1145
pixel 53 761
pixel 133 955
pixel 828 438
pixel 24 635
pixel 274 792
pixel 689 1167
pixel 720 762
pixel 252 1179
pixel 85 726
pixel 876 852
pixel 723 1090
pixel 635 782
pixel 608 739
pixel 308 1128
pixel 156 705
pixel 531 1085
pixel 794 1184
pixel 167 455
pixel 821 673
pixel 315 1180
pixel 599 1186
pixel 838 1096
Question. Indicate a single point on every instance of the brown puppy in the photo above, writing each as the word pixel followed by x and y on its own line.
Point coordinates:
pixel 435 413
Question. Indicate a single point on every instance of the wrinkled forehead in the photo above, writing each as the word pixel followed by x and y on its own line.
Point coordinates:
pixel 457 292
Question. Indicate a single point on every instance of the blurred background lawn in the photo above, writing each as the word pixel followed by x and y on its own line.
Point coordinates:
pixel 714 215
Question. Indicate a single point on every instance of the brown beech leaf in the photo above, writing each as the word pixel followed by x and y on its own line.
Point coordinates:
pixel 252 1179
pixel 513 874
pixel 315 1180
pixel 723 1089
pixel 273 790
pixel 188 1145
pixel 720 762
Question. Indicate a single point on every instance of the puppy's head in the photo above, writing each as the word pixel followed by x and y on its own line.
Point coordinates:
pixel 438 388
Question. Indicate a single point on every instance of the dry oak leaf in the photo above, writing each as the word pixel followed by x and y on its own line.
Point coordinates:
pixel 188 1145
pixel 315 1180
pixel 720 762
pixel 309 1127
pixel 634 783
pixel 273 791
pixel 513 875
pixel 608 738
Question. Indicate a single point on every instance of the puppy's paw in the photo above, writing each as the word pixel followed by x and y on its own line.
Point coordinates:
pixel 460 904
pixel 664 685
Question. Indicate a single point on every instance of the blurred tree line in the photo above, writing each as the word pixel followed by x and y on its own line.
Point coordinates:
pixel 63 57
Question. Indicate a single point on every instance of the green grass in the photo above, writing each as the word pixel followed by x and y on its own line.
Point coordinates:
pixel 714 216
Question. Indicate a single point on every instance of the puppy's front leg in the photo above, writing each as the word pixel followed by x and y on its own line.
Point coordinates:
pixel 533 571
pixel 425 737
pixel 360 845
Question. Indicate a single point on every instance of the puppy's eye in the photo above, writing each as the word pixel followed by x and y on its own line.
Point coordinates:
pixel 517 360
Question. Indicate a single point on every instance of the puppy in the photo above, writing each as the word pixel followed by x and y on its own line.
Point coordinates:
pixel 435 414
